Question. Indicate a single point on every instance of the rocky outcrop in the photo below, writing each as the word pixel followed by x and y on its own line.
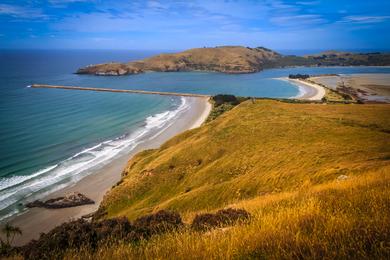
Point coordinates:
pixel 342 177
pixel 72 200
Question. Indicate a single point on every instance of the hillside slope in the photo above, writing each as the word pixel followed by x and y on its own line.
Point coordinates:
pixel 313 180
pixel 341 219
pixel 227 59
pixel 253 150
pixel 233 59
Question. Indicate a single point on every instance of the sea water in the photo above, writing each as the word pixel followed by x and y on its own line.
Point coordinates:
pixel 52 138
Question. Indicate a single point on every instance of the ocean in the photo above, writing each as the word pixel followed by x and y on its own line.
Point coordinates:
pixel 52 138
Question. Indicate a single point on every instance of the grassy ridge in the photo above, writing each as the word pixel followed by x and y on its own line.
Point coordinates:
pixel 253 150
pixel 340 219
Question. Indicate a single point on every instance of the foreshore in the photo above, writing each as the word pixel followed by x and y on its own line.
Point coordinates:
pixel 39 220
pixel 368 87
pixel 307 91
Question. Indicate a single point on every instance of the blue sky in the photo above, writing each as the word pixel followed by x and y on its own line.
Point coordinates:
pixel 171 25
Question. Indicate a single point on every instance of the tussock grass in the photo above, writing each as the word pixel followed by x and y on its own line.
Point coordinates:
pixel 255 149
pixel 343 220
pixel 281 163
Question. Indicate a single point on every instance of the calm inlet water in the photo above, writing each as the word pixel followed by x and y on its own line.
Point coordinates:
pixel 52 138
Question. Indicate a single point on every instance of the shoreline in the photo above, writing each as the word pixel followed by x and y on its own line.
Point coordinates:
pixel 34 221
pixel 368 87
pixel 307 91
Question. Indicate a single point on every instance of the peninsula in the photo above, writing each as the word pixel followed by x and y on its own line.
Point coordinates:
pixel 233 60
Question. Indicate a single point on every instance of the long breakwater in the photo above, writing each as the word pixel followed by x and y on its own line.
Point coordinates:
pixel 120 91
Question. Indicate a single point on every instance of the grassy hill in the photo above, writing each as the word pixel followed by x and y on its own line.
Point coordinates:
pixel 233 59
pixel 254 150
pixel 336 220
pixel 226 59
pixel 314 177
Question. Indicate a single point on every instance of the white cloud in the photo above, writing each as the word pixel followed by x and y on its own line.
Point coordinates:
pixel 365 19
pixel 151 16
pixel 300 20
pixel 21 12
pixel 156 5
pixel 308 3
pixel 68 1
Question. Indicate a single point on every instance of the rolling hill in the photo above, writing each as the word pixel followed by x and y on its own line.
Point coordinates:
pixel 233 59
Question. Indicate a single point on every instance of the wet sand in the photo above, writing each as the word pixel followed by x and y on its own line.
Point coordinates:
pixel 308 91
pixel 37 220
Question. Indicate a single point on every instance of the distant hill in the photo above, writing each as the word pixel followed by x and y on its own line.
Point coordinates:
pixel 332 58
pixel 234 59
pixel 227 59
pixel 338 58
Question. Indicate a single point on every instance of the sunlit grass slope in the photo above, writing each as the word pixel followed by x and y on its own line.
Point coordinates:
pixel 282 163
pixel 335 220
pixel 257 151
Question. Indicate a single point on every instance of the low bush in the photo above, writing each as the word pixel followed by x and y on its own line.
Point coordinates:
pixel 219 110
pixel 222 218
pixel 162 221
pixel 299 76
pixel 222 99
pixel 223 103
pixel 83 234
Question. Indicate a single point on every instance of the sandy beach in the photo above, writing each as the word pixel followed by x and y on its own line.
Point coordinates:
pixel 374 87
pixel 307 91
pixel 37 220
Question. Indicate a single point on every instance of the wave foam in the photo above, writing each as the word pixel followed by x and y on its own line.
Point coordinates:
pixel 17 189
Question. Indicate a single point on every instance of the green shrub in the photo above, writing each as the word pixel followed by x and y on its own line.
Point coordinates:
pixel 222 99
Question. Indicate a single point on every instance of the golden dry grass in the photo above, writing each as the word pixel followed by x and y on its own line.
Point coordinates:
pixel 341 219
pixel 252 150
pixel 231 59
pixel 280 162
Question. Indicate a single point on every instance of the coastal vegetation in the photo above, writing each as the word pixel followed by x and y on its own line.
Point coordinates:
pixel 234 59
pixel 223 99
pixel 9 231
pixel 111 232
pixel 298 76
pixel 335 96
pixel 222 104
pixel 297 180
pixel 89 235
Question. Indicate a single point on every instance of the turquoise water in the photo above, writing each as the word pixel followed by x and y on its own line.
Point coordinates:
pixel 51 138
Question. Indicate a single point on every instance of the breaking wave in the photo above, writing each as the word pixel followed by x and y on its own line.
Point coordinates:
pixel 19 189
